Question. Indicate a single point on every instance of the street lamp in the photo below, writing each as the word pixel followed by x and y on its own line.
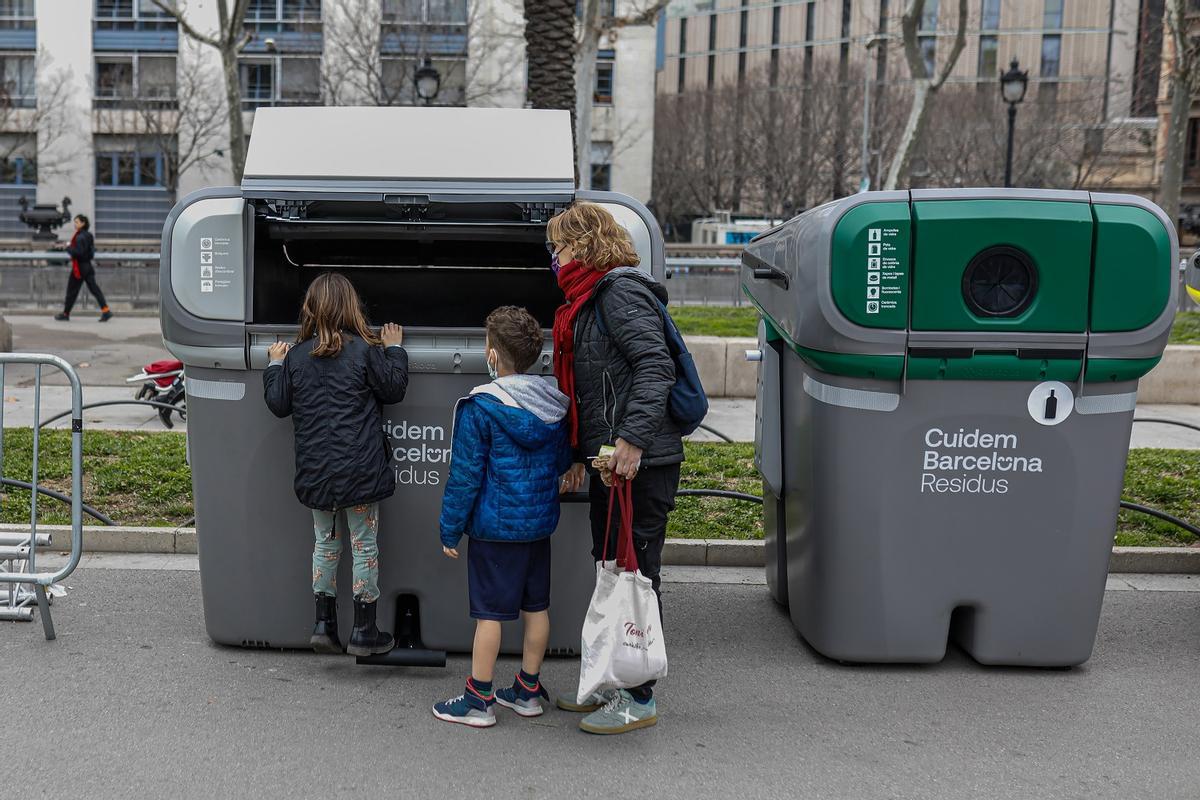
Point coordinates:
pixel 1012 88
pixel 427 80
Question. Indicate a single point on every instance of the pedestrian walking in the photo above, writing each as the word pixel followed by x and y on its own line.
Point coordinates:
pixel 82 249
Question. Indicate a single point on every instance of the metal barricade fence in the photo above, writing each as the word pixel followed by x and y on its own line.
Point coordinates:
pixel 18 552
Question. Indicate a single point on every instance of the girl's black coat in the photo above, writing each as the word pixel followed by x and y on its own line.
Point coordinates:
pixel 342 454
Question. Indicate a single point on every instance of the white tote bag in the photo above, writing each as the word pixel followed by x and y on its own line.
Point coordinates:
pixel 622 642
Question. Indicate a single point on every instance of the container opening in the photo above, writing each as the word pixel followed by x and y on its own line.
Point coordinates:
pixel 448 272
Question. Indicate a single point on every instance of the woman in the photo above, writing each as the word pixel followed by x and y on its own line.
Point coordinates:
pixel 617 374
pixel 82 249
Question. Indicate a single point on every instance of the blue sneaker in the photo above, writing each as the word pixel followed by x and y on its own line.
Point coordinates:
pixel 469 708
pixel 523 699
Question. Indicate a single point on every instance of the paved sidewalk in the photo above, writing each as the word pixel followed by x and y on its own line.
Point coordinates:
pixel 133 700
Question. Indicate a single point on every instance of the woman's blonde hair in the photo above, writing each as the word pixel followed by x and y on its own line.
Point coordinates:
pixel 595 238
pixel 332 308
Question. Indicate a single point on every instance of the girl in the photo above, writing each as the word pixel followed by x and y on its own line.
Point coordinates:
pixel 333 383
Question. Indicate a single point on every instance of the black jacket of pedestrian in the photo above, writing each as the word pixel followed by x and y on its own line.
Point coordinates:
pixel 83 250
pixel 624 374
pixel 343 455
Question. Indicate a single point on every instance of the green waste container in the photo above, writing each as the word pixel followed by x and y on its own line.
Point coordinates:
pixel 946 394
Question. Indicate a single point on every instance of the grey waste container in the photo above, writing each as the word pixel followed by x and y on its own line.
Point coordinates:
pixel 437 216
pixel 946 393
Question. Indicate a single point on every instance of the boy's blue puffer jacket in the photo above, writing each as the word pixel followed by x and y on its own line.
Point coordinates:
pixel 510 449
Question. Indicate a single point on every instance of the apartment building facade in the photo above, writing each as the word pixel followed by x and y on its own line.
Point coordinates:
pixel 110 103
pixel 1063 43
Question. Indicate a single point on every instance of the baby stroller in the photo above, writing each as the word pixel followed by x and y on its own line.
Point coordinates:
pixel 163 383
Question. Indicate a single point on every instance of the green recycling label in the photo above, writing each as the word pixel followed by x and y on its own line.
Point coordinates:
pixel 869 265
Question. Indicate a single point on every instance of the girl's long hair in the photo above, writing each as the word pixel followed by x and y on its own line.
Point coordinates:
pixel 332 309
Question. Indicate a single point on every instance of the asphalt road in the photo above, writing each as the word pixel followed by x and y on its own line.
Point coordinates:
pixel 134 701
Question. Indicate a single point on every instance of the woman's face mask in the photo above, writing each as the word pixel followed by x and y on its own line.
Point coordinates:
pixel 554 265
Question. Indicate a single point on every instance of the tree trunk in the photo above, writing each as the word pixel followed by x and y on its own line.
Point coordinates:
pixel 1177 123
pixel 1181 78
pixel 924 85
pixel 550 53
pixel 585 79
pixel 237 128
pixel 913 130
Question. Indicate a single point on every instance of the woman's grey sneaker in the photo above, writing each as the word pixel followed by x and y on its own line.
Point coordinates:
pixel 569 701
pixel 620 715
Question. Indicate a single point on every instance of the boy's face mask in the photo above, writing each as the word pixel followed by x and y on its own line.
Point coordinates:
pixel 491 365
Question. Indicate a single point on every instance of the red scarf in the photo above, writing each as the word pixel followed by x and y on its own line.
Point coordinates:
pixel 577 282
pixel 74 260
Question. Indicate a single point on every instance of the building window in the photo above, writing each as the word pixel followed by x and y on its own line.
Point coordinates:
pixel 124 81
pixel 990 16
pixel 133 168
pixel 1052 16
pixel 682 50
pixel 141 15
pixel 280 81
pixel 267 16
pixel 602 166
pixel 987 56
pixel 928 38
pixel 1193 143
pixel 17 15
pixel 428 12
pixel 1051 55
pixel 17 74
pixel 605 62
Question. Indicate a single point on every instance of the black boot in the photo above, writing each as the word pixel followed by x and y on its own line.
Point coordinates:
pixel 325 633
pixel 366 639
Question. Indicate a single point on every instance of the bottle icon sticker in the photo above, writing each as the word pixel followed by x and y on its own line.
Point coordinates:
pixel 1051 402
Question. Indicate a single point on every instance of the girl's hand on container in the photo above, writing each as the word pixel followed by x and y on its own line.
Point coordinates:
pixel 278 351
pixel 450 552
pixel 392 334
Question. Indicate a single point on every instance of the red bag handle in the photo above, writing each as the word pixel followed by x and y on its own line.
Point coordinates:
pixel 622 494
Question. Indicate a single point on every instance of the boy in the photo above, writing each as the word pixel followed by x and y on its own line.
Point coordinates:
pixel 509 451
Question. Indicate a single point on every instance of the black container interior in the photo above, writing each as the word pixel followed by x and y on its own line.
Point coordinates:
pixel 444 270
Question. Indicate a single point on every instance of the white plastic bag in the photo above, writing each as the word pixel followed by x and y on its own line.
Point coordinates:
pixel 622 642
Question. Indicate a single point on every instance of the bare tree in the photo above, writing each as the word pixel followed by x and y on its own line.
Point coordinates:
pixel 182 121
pixel 41 129
pixel 229 40
pixel 593 27
pixel 1183 75
pixel 924 85
pixel 364 73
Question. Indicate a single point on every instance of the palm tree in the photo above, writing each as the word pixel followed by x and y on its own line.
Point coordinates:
pixel 550 50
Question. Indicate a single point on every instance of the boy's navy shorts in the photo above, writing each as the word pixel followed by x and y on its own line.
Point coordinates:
pixel 506 578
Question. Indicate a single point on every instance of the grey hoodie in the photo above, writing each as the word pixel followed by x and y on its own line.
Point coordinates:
pixel 536 394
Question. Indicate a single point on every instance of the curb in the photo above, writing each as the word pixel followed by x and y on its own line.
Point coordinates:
pixel 676 552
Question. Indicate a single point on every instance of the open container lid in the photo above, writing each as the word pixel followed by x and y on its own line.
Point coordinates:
pixel 355 148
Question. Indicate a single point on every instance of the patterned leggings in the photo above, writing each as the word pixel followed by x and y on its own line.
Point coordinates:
pixel 363 522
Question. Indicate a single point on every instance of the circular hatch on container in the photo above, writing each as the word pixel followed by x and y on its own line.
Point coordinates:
pixel 1000 281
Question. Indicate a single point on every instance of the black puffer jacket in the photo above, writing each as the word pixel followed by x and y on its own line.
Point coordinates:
pixel 622 379
pixel 342 455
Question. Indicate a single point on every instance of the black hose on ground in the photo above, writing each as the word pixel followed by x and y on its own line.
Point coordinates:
pixel 716 433
pixel 748 498
pixel 1188 425
pixel 152 403
pixel 57 496
pixel 1164 516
